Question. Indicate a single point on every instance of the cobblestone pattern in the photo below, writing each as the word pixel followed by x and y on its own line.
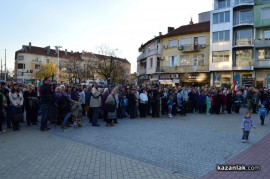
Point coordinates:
pixel 30 154
pixel 190 145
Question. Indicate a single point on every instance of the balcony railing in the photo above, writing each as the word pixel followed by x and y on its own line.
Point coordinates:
pixel 149 53
pixel 142 71
pixel 243 2
pixel 190 48
pixel 243 63
pixel 262 42
pixel 243 21
pixel 262 63
pixel 184 69
pixel 244 42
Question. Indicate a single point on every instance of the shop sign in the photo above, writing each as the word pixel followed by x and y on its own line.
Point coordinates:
pixel 247 80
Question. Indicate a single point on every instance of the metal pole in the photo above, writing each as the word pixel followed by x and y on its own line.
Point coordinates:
pixel 5 67
pixel 58 75
pixel 1 69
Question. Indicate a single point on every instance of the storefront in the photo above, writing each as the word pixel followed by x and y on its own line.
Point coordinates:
pixel 220 78
pixel 262 78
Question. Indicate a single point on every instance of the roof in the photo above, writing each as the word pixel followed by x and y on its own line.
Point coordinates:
pixel 88 55
pixel 46 51
pixel 190 29
pixel 115 58
pixel 63 54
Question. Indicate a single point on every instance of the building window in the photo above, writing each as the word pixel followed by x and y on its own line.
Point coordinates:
pixel 185 41
pixel 184 60
pixel 265 1
pixel 221 36
pixel 173 43
pixel 263 54
pixel 243 17
pixel 223 4
pixel 200 60
pixel 220 56
pixel 266 34
pixel 243 37
pixel 243 57
pixel 173 61
pixel 21 66
pixel 19 58
pixel 151 62
pixel 266 13
pixel 37 67
pixel 48 60
pixel 221 17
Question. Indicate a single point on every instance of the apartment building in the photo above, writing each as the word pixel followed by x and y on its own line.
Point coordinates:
pixel 29 60
pixel 238 45
pixel 179 57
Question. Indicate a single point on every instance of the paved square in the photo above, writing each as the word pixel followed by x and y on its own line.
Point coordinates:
pixel 179 147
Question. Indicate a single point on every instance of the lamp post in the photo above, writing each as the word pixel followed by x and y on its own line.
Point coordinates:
pixel 58 65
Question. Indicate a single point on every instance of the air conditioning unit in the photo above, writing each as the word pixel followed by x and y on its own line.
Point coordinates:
pixel 181 47
pixel 203 45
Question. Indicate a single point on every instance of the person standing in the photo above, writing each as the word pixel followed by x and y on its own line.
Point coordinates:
pixel 246 126
pixel 111 107
pixel 143 103
pixel 95 105
pixel 47 102
pixel 30 105
pixel 104 97
pixel 262 113
pixel 16 102
pixel 82 96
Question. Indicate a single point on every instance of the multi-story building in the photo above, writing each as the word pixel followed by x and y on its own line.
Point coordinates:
pixel 29 60
pixel 179 57
pixel 237 42
pixel 262 42
pixel 148 62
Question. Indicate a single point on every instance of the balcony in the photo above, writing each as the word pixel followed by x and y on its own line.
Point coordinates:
pixel 243 65
pixel 262 63
pixel 184 69
pixel 247 42
pixel 142 71
pixel 35 61
pixel 191 48
pixel 148 53
pixel 262 42
pixel 244 21
pixel 238 3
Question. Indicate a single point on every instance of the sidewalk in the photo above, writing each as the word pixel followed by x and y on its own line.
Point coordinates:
pixel 257 154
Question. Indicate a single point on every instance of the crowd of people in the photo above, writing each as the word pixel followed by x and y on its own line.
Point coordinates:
pixel 65 104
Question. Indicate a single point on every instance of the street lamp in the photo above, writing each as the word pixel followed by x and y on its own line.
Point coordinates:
pixel 58 72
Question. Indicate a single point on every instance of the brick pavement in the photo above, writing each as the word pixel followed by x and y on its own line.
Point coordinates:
pixel 257 154
pixel 179 147
pixel 30 154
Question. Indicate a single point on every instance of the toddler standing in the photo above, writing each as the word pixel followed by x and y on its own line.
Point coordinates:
pixel 246 125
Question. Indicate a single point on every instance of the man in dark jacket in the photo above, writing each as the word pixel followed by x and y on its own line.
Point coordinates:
pixel 47 102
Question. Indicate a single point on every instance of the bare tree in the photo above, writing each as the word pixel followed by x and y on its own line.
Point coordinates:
pixel 107 63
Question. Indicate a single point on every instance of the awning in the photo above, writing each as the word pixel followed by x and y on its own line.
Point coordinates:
pixel 166 82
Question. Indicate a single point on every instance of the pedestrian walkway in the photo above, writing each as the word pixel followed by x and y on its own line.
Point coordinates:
pixel 30 154
pixel 178 147
pixel 257 154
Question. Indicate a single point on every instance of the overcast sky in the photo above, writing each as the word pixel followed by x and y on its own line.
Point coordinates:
pixel 87 24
